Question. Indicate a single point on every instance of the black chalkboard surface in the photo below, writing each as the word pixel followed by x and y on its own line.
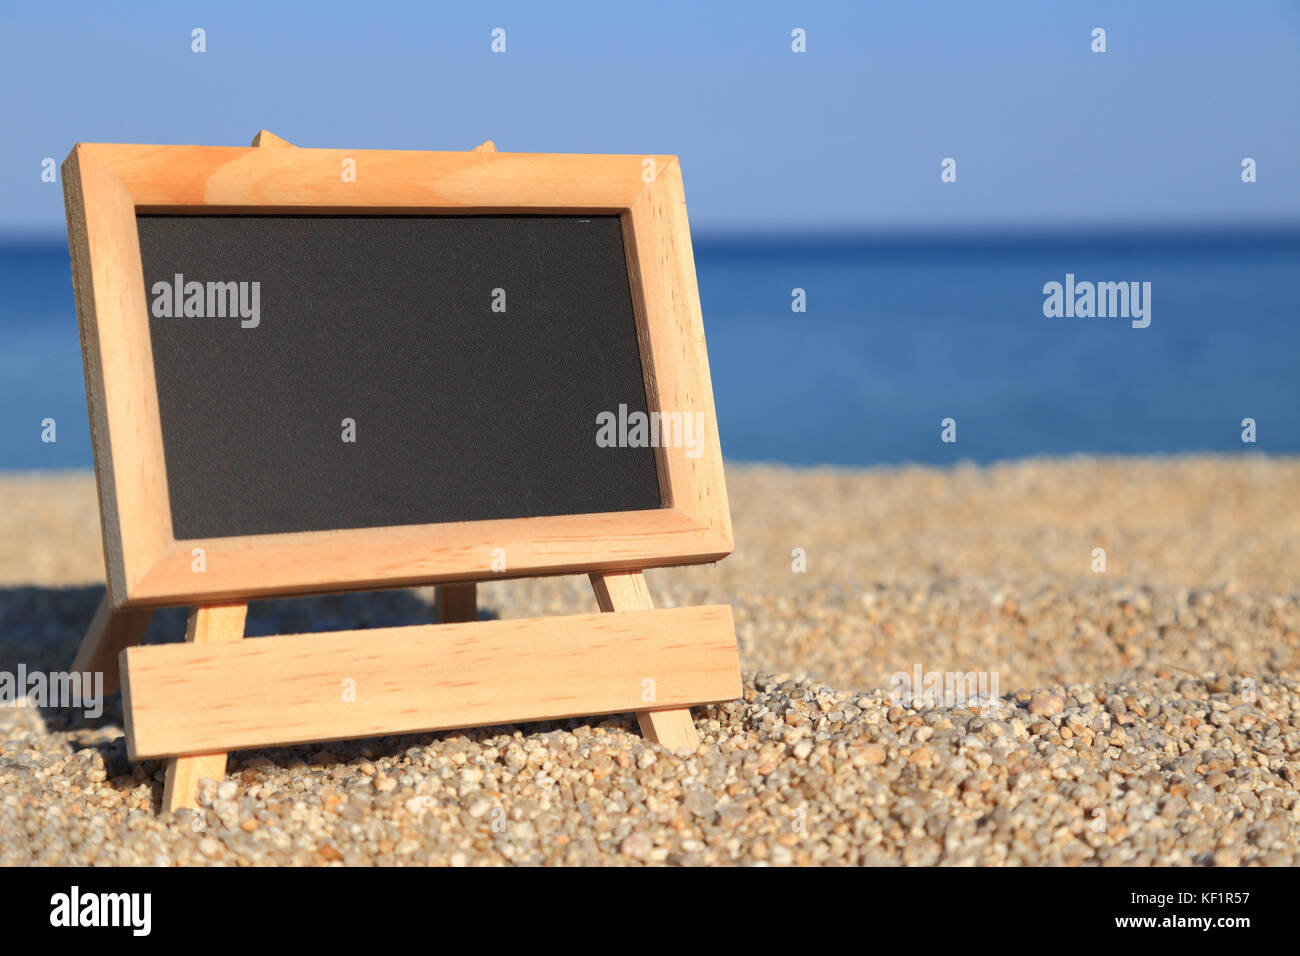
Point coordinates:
pixel 458 412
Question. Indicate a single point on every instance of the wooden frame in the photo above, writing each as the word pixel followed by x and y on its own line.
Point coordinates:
pixel 108 185
pixel 193 703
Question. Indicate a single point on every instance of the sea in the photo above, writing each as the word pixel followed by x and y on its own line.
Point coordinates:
pixel 879 350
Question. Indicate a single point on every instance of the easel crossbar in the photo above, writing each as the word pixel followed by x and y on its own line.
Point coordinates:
pixel 198 698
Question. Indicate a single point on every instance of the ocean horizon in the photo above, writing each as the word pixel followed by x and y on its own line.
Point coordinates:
pixel 898 334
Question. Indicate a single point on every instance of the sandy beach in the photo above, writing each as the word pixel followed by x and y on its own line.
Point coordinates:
pixel 1144 714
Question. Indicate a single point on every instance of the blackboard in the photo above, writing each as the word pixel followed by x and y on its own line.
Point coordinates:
pixel 460 412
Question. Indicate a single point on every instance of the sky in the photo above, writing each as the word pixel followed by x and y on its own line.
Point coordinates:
pixel 845 137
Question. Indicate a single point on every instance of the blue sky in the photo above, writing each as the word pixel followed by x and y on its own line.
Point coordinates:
pixel 846 137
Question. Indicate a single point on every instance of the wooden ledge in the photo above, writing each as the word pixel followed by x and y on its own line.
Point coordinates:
pixel 182 699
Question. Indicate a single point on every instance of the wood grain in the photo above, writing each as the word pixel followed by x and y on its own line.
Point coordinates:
pixel 627 591
pixel 201 698
pixel 122 396
pixel 244 179
pixel 220 624
pixel 661 264
pixel 264 565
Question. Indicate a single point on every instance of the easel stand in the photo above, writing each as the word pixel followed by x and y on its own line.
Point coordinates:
pixel 196 701
pixel 192 703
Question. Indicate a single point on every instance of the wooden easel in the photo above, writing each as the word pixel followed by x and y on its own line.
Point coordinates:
pixel 112 632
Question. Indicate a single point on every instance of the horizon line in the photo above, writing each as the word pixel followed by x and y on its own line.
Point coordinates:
pixel 1189 232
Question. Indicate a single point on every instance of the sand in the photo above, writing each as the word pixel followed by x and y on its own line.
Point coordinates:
pixel 1147 713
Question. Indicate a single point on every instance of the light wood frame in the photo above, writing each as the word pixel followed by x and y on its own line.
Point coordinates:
pixel 106 186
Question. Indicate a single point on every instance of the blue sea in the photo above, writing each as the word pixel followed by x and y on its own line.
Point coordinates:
pixel 898 334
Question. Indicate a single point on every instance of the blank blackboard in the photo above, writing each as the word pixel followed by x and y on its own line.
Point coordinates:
pixel 460 412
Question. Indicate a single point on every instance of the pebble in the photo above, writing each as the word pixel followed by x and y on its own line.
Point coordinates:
pixel 1046 705
pixel 636 845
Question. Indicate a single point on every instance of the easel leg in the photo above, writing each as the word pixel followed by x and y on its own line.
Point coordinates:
pixel 457 603
pixel 627 591
pixel 208 625
pixel 109 633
